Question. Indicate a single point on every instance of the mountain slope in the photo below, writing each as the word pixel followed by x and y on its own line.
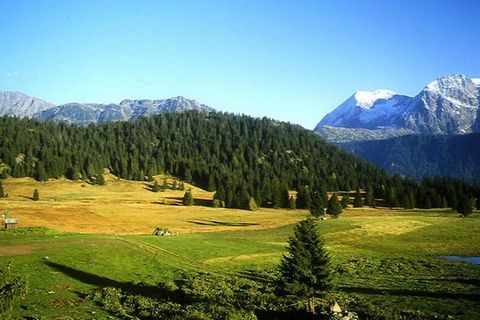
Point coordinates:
pixel 447 105
pixel 84 113
pixel 238 156
pixel 21 105
pixel 420 156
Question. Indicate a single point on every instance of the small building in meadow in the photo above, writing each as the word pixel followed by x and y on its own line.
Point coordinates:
pixel 10 223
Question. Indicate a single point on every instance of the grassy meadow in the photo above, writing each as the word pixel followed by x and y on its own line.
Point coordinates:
pixel 80 237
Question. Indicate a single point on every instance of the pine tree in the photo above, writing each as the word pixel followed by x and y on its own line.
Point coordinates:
pixel 181 186
pixel 100 179
pixel 292 203
pixel 316 207
pixel 334 207
pixel 345 201
pixel 369 197
pixel 188 198
pixel 174 185
pixel 252 205
pixel 211 186
pixel 465 206
pixel 4 174
pixel 36 195
pixel 156 186
pixel 2 191
pixel 40 174
pixel 165 184
pixel 306 271
pixel 357 202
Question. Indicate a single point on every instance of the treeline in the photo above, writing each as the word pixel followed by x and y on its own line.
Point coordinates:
pixel 239 157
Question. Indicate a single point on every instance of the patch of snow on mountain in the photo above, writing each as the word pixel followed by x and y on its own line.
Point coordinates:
pixel 366 99
pixel 476 81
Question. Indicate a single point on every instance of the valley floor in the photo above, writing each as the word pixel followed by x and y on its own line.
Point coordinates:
pixel 80 237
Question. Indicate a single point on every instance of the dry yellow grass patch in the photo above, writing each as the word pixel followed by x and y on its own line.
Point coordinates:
pixel 242 257
pixel 127 207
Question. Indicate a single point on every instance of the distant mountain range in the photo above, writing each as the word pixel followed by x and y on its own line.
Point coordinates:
pixel 448 105
pixel 21 105
pixel 431 134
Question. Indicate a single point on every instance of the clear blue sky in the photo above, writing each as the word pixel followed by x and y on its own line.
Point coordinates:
pixel 289 60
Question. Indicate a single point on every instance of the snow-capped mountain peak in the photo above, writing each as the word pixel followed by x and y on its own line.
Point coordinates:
pixel 366 99
pixel 449 84
pixel 447 105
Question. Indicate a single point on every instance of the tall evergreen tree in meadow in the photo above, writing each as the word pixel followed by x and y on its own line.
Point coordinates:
pixel 4 174
pixel 358 202
pixel 100 179
pixel 188 198
pixel 156 186
pixel 36 195
pixel 345 201
pixel 465 206
pixel 165 184
pixel 306 272
pixel 316 207
pixel 252 205
pixel 292 203
pixel 333 206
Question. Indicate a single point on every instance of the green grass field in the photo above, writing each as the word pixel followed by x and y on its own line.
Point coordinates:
pixel 387 257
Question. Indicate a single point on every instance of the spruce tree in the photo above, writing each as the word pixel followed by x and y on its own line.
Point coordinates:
pixel 156 186
pixel 369 197
pixel 181 186
pixel 357 202
pixel 333 206
pixel 4 174
pixel 316 206
pixel 40 174
pixel 174 185
pixel 165 184
pixel 345 201
pixel 252 205
pixel 100 179
pixel 188 198
pixel 465 206
pixel 306 271
pixel 36 195
pixel 292 203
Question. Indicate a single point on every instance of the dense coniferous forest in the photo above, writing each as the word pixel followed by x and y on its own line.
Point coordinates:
pixel 422 156
pixel 239 157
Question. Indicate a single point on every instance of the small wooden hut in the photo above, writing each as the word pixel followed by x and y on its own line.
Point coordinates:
pixel 10 223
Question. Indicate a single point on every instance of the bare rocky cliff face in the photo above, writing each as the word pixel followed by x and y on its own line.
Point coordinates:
pixel 21 105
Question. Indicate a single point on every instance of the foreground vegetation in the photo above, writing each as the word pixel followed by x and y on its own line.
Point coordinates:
pixel 87 252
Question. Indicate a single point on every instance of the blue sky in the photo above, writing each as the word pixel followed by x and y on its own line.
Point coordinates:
pixel 288 60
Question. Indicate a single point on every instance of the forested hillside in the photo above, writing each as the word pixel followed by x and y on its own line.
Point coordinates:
pixel 424 156
pixel 239 157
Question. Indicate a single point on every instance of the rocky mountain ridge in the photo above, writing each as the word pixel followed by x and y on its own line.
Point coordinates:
pixel 446 106
pixel 21 105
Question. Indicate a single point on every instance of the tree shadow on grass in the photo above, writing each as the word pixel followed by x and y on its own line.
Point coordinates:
pixel 197 202
pixel 413 293
pixel 222 223
pixel 100 281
